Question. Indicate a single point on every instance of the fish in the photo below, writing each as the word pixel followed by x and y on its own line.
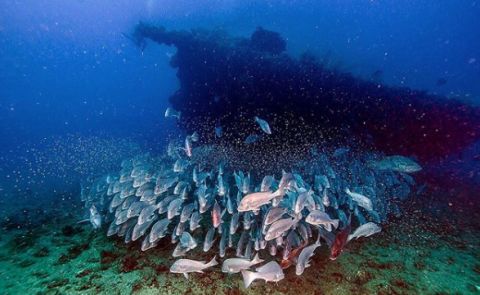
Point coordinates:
pixel 301 200
pixel 216 215
pixel 208 242
pixel 365 230
pixel 234 223
pixel 218 131
pixel 171 113
pixel 194 137
pixel 188 146
pixel 187 212
pixel 246 184
pixel 273 214
pixel 267 183
pixel 147 214
pixel 187 241
pixel 270 272
pixel 158 230
pixel 263 125
pixel 223 242
pixel 186 266
pixel 292 256
pixel 318 217
pixel 236 265
pixel 141 228
pixel 95 217
pixel 279 227
pixel 397 163
pixel 360 199
pixel 303 260
pixel 174 208
pixel 222 188
pixel 252 138
pixel 340 241
pixel 195 219
pixel 180 165
pixel 253 201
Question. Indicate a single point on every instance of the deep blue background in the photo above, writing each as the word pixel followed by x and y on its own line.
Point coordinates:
pixel 66 68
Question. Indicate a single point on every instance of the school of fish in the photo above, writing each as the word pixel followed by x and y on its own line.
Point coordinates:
pixel 250 221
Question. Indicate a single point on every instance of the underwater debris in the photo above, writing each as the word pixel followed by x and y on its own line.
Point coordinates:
pixel 304 95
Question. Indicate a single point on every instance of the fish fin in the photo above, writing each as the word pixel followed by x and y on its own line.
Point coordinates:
pixel 335 223
pixel 83 221
pixel 257 259
pixel 212 262
pixel 328 227
pixel 185 275
pixel 350 237
pixel 248 277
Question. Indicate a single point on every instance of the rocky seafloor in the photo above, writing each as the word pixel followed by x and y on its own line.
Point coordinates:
pixel 431 249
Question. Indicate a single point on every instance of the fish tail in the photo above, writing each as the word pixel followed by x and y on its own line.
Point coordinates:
pixel 248 277
pixel 257 259
pixel 212 262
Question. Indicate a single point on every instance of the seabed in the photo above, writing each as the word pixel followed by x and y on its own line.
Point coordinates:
pixel 427 250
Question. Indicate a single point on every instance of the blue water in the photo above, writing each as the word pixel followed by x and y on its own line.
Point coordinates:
pixel 77 96
pixel 65 66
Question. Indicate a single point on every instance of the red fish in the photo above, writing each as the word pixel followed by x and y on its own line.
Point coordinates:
pixel 292 256
pixel 340 242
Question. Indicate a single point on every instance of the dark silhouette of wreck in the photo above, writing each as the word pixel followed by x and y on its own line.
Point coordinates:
pixel 226 81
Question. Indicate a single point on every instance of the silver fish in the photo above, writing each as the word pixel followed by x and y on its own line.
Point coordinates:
pixel 195 221
pixel 234 223
pixel 270 272
pixel 267 183
pixel 171 113
pixel 158 230
pixel 318 217
pixel 180 165
pixel 361 200
pixel 140 229
pixel 365 230
pixel 303 260
pixel 188 146
pixel 235 265
pixel 279 227
pixel 223 243
pixel 185 266
pixel 301 200
pixel 208 242
pixel 246 184
pixel 147 213
pixel 187 241
pixel 274 214
pixel 95 217
pixel 187 212
pixel 174 208
pixel 253 201
pixel 163 204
